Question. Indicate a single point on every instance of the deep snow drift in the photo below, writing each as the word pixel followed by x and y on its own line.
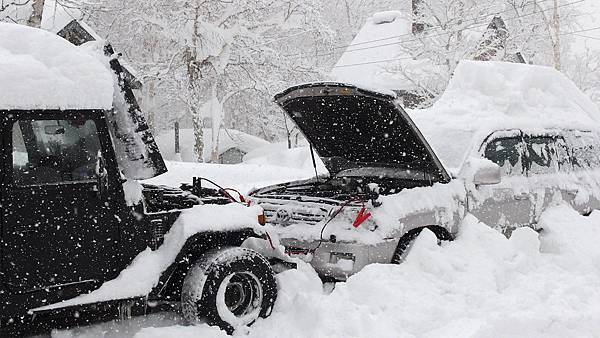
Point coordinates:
pixel 480 285
pixel 41 70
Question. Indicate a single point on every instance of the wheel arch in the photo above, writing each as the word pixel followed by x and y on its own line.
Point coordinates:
pixel 171 281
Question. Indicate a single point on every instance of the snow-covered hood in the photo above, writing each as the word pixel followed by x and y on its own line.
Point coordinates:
pixel 353 128
pixel 484 97
pixel 39 70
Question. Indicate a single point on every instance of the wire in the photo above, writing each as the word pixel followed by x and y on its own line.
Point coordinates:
pixel 588 37
pixel 242 199
pixel 222 190
pixel 410 57
pixel 446 33
pixel 482 17
pixel 333 216
pixel 281 38
pixel 302 54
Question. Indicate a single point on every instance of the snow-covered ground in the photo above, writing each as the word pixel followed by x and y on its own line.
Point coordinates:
pixel 243 177
pixel 480 285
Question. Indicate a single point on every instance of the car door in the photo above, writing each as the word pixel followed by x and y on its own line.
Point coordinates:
pixel 546 158
pixel 584 156
pixel 59 229
pixel 509 204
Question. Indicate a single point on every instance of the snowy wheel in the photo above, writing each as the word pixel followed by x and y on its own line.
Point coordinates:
pixel 406 242
pixel 404 246
pixel 229 288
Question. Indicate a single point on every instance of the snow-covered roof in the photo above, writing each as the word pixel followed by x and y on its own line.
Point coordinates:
pixel 483 97
pixel 39 70
pixel 379 55
pixel 228 139
pixel 377 40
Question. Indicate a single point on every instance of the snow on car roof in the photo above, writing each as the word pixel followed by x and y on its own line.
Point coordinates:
pixel 483 97
pixel 39 70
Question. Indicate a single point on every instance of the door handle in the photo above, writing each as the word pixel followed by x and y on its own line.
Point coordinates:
pixel 522 196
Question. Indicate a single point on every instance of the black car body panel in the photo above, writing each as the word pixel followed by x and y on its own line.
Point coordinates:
pixel 62 237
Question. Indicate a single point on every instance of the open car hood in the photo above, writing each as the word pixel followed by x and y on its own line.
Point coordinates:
pixel 359 132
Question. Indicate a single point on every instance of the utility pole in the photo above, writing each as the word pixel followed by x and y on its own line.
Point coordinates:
pixel 553 31
pixel 35 20
pixel 556 42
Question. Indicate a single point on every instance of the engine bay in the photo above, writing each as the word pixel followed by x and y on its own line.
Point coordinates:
pixel 339 189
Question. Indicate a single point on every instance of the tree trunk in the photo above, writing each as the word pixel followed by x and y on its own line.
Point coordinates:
pixel 193 72
pixel 35 20
pixel 198 133
pixel 556 42
pixel 216 114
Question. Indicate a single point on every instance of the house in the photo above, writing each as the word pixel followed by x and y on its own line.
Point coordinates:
pixel 378 57
pixel 233 145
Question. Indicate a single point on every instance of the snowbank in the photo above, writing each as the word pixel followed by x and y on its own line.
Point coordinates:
pixel 39 70
pixel 228 139
pixel 486 96
pixel 480 285
pixel 243 177
pixel 278 154
pixel 144 272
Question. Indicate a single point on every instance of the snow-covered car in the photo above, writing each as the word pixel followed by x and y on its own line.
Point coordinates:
pixel 502 143
pixel 81 239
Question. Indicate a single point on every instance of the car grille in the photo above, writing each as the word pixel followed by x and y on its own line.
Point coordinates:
pixel 285 212
pixel 158 233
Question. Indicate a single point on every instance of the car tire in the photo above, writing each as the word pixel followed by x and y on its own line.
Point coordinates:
pixel 406 242
pixel 404 246
pixel 229 288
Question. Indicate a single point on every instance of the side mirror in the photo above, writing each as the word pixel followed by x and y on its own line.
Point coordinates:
pixel 482 172
pixel 487 175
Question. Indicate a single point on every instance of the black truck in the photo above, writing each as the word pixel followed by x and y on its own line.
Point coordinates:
pixel 67 226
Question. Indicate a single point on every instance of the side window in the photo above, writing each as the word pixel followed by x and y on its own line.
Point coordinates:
pixel 584 151
pixel 54 151
pixel 541 155
pixel 507 153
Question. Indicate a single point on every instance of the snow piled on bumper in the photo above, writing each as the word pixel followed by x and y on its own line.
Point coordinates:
pixel 144 272
pixel 480 285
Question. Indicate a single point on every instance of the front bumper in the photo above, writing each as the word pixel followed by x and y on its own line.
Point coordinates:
pixel 340 260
